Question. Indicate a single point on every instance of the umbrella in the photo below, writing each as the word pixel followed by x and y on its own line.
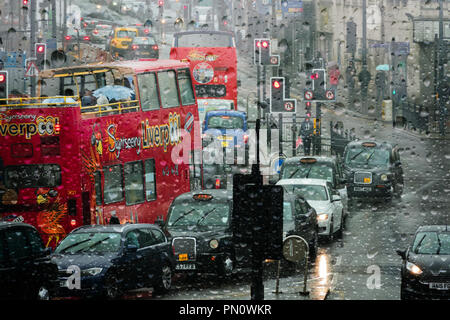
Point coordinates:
pixel 382 67
pixel 58 100
pixel 114 92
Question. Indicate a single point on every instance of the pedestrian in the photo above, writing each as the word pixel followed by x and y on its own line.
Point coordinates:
pixel 114 219
pixel 88 99
pixel 306 131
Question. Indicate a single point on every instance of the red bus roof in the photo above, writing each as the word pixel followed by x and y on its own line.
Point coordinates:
pixel 126 67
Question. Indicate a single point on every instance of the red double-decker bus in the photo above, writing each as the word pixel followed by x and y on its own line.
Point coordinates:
pixel 67 160
pixel 213 63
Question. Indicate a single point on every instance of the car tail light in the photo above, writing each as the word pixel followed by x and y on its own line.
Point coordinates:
pixel 146 31
pixel 245 138
pixel 68 37
pixel 134 47
pixel 217 183
pixel 95 31
pixel 87 38
pixel 155 47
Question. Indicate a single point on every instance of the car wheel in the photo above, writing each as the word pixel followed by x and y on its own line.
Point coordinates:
pixel 112 288
pixel 227 266
pixel 165 280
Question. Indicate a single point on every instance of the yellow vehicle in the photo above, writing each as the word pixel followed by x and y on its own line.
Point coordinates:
pixel 121 40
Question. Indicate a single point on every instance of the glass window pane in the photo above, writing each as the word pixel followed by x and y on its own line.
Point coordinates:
pixel 17 244
pixel 187 93
pixel 134 185
pixel 159 236
pixel 98 188
pixel 113 184
pixel 35 241
pixel 148 91
pixel 150 182
pixel 168 89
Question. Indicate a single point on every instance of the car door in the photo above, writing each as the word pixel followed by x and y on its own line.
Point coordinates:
pixel 6 269
pixel 341 187
pixel 150 256
pixel 20 267
pixel 134 266
pixel 398 170
pixel 337 208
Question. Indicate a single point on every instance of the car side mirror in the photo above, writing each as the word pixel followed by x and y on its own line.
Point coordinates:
pixel 335 198
pixel 159 221
pixel 131 248
pixel 401 253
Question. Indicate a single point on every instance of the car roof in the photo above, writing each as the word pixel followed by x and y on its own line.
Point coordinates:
pixel 384 145
pixel 8 224
pixel 316 182
pixel 320 159
pixel 218 194
pixel 120 228
pixel 436 228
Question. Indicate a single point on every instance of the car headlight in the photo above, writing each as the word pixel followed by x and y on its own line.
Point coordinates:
pixel 384 177
pixel 91 271
pixel 415 270
pixel 322 217
pixel 214 244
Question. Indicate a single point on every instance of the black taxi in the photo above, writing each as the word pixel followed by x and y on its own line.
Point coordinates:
pixel 199 223
pixel 373 169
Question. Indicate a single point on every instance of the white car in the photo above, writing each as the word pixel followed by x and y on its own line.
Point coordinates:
pixel 319 195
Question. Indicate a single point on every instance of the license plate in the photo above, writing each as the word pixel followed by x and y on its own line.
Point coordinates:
pixel 440 286
pixel 185 266
pixel 183 257
pixel 362 189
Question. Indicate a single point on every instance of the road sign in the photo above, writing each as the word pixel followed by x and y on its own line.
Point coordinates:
pixel 329 94
pixel 309 95
pixel 295 248
pixel 289 106
pixel 291 8
pixel 31 68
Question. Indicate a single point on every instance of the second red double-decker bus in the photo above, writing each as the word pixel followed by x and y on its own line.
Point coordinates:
pixel 67 160
pixel 213 64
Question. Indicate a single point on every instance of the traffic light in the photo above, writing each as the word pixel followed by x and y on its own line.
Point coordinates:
pixel 25 2
pixel 3 84
pixel 256 50
pixel 318 79
pixel 266 57
pixel 40 51
pixel 160 3
pixel 308 107
pixel 278 102
pixel 186 12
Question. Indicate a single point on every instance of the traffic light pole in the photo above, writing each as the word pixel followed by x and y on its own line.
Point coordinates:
pixel 32 42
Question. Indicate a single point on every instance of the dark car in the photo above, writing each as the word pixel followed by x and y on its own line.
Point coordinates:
pixel 317 167
pixel 144 47
pixel 113 259
pixel 425 268
pixel 300 219
pixel 100 33
pixel 229 127
pixel 26 271
pixel 373 169
pixel 200 226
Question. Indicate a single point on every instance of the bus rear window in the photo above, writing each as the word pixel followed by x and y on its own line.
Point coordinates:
pixel 33 176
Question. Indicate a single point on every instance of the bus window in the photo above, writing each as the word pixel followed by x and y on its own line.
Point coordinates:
pixel 134 186
pixel 148 91
pixel 168 89
pixel 113 189
pixel 49 87
pixel 150 183
pixel 98 188
pixel 33 176
pixel 184 81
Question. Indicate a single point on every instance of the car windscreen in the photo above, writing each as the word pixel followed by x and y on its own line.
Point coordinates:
pixel 367 156
pixel 204 40
pixel 144 41
pixel 126 34
pixel 199 213
pixel 309 192
pixel 225 122
pixel 312 171
pixel 432 243
pixel 96 242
